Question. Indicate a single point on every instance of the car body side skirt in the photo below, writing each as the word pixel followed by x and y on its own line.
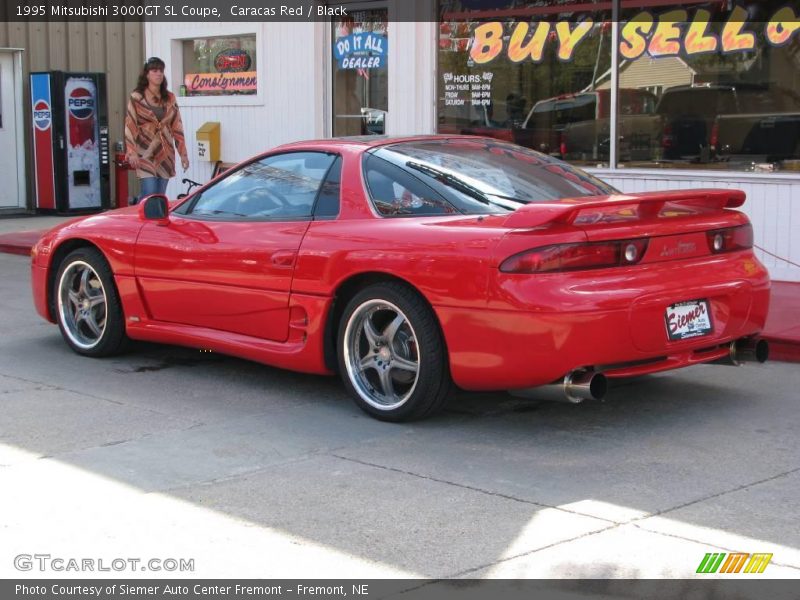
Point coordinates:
pixel 303 350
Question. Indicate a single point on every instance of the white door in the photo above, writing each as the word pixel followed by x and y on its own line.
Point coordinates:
pixel 10 145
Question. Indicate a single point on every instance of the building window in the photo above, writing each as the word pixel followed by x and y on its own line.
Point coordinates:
pixel 219 66
pixel 726 81
pixel 360 70
pixel 525 74
pixel 701 85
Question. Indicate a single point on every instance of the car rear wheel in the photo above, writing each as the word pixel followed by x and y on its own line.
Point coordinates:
pixel 88 306
pixel 392 357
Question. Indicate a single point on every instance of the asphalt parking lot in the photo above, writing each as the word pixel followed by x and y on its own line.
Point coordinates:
pixel 249 471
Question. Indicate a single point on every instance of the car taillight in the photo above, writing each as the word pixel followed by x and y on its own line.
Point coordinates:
pixel 730 239
pixel 504 134
pixel 563 146
pixel 714 138
pixel 666 137
pixel 575 257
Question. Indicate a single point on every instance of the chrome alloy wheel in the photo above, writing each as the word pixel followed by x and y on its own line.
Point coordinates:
pixel 381 354
pixel 82 304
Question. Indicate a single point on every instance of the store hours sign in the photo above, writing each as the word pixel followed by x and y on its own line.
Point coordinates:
pixel 361 51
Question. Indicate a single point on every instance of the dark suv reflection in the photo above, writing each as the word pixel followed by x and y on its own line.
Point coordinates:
pixel 713 120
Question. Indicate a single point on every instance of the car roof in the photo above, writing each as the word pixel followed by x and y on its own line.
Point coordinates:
pixel 366 142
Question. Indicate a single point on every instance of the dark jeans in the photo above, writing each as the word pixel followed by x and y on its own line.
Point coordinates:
pixel 151 185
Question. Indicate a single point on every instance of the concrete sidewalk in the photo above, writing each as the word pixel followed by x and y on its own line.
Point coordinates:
pixel 17 236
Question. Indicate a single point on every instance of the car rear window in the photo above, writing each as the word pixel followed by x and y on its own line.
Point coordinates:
pixel 707 102
pixel 563 111
pixel 492 169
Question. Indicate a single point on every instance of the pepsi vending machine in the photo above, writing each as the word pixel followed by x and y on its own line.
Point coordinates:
pixel 70 141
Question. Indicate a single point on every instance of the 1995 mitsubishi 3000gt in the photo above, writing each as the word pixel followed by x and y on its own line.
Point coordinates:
pixel 411 264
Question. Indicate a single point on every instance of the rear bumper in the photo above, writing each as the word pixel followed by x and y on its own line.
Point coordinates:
pixel 616 325
pixel 493 350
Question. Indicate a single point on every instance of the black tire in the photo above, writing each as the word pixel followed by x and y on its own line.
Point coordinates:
pixel 87 305
pixel 385 331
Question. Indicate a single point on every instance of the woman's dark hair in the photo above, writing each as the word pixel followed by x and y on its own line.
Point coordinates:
pixel 151 64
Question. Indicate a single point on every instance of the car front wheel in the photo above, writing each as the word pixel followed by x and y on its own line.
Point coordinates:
pixel 391 354
pixel 88 306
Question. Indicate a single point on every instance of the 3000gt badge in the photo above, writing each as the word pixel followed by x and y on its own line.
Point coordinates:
pixel 688 319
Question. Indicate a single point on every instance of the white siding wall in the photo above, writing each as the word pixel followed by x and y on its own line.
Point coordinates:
pixel 648 72
pixel 293 104
pixel 773 205
pixel 291 101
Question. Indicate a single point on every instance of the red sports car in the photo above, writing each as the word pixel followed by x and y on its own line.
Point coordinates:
pixel 411 264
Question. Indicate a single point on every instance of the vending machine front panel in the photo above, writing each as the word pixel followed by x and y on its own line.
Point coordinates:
pixel 83 151
pixel 43 141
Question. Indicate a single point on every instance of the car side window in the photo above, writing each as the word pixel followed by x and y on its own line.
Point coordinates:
pixel 283 186
pixel 395 192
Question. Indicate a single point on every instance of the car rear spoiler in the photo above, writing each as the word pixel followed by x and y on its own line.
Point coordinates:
pixel 646 204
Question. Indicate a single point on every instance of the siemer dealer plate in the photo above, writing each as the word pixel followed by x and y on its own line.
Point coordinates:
pixel 688 320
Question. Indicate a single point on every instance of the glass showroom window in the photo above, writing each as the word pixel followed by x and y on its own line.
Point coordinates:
pixel 726 83
pixel 360 71
pixel 219 66
pixel 701 85
pixel 530 76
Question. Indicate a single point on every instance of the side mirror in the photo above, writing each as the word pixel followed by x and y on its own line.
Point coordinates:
pixel 155 207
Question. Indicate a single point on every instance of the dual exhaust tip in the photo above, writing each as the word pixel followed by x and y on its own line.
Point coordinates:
pixel 588 384
pixel 746 350
pixel 577 386
pixel 584 384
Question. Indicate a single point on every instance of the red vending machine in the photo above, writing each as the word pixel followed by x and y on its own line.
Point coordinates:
pixel 70 142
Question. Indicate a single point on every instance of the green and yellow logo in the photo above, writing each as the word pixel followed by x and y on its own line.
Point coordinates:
pixel 734 563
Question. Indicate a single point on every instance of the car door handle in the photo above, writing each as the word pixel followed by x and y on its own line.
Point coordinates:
pixel 284 259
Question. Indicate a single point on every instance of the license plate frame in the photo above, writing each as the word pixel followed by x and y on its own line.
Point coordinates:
pixel 688 319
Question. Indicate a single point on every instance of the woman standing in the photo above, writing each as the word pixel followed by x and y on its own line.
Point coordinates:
pixel 153 129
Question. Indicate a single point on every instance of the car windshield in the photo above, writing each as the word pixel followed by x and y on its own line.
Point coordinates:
pixel 482 175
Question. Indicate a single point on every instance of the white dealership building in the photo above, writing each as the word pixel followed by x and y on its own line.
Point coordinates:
pixel 719 108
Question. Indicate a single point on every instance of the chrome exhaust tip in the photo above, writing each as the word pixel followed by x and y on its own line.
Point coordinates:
pixel 746 350
pixel 585 385
pixel 577 386
pixel 749 350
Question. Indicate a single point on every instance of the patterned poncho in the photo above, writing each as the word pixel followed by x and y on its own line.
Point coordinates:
pixel 154 140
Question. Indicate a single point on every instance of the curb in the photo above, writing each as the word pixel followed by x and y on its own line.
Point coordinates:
pixel 783 350
pixel 19 242
pixel 15 249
